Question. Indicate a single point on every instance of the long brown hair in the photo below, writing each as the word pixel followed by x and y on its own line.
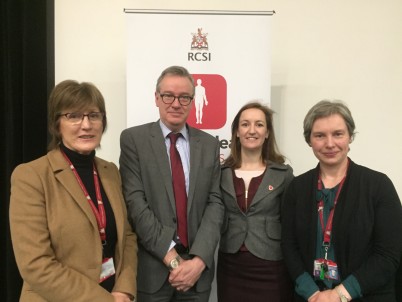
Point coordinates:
pixel 269 149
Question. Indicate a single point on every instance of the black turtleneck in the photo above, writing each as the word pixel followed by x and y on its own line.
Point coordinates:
pixel 84 166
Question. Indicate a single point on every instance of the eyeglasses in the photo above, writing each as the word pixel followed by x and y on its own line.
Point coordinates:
pixel 184 100
pixel 78 117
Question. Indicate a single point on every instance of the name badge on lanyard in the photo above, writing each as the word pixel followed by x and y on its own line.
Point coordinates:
pixel 323 267
pixel 108 269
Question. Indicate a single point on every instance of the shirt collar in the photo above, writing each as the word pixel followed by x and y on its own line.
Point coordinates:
pixel 166 130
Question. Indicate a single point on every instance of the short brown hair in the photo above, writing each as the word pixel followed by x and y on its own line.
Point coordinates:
pixel 71 95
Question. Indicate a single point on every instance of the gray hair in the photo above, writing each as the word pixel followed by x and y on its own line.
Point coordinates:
pixel 175 71
pixel 326 108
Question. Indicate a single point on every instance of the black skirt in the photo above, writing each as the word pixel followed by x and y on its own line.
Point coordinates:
pixel 243 277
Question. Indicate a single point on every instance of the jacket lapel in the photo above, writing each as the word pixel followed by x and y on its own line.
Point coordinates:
pixel 161 157
pixel 112 188
pixel 227 186
pixel 66 177
pixel 227 182
pixel 195 158
pixel 272 179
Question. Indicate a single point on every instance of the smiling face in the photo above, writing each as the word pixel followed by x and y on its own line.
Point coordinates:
pixel 174 115
pixel 252 131
pixel 330 140
pixel 83 137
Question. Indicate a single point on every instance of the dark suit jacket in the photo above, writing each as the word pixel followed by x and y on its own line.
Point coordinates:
pixel 148 190
pixel 260 227
pixel 367 230
pixel 55 235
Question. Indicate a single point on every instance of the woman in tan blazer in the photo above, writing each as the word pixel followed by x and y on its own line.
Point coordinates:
pixel 69 228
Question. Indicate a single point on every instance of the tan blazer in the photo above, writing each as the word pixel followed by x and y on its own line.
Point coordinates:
pixel 55 236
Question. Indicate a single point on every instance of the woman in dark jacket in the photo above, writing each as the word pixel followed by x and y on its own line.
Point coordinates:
pixel 341 222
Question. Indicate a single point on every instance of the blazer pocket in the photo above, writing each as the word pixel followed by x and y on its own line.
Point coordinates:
pixel 273 229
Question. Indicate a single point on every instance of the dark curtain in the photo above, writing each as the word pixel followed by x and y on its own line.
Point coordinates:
pixel 398 283
pixel 27 76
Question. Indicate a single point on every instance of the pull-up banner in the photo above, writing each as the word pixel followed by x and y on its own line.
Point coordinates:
pixel 227 52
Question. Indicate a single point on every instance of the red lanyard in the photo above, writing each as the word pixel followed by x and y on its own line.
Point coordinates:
pixel 99 212
pixel 320 205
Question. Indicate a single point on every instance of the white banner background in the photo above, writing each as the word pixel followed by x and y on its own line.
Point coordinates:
pixel 238 50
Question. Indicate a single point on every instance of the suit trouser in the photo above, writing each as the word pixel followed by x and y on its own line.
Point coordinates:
pixel 168 293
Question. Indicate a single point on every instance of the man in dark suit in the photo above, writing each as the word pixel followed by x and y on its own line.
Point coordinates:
pixel 172 266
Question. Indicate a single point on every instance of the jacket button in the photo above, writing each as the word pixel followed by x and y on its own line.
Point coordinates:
pixel 174 219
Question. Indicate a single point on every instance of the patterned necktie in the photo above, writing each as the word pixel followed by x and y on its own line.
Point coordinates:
pixel 179 188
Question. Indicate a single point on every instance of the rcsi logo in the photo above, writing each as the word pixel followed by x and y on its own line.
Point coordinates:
pixel 199 44
pixel 210 102
pixel 199 41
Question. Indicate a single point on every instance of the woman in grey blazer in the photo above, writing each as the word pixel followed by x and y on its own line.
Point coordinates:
pixel 254 178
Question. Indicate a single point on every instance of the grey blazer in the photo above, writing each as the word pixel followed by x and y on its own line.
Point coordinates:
pixel 148 190
pixel 260 227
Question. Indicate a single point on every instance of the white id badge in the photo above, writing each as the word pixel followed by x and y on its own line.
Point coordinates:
pixel 107 269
